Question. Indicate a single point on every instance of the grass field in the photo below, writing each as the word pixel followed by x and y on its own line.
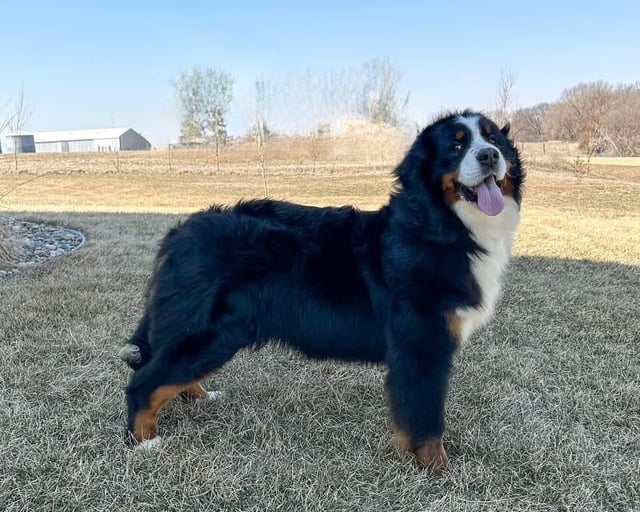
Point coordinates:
pixel 544 408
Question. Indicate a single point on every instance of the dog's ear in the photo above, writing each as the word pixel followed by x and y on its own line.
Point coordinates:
pixel 505 129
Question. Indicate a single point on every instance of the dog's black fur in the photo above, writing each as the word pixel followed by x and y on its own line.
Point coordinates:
pixel 332 283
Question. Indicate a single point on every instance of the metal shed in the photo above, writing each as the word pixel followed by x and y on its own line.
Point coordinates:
pixel 105 139
pixel 19 143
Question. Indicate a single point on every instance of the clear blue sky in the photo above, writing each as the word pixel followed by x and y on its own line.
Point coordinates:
pixel 84 64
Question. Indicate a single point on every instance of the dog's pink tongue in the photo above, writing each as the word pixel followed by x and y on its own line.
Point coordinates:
pixel 490 199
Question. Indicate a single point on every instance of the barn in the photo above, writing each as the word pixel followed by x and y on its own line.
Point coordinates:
pixel 18 143
pixel 105 139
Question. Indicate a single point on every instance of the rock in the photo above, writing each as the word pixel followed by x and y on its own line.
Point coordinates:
pixel 40 243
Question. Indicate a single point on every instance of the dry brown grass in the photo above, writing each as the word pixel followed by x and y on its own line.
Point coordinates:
pixel 618 161
pixel 178 194
pixel 566 156
pixel 543 414
pixel 7 254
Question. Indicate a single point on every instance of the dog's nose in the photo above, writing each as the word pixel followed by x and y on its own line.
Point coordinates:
pixel 488 157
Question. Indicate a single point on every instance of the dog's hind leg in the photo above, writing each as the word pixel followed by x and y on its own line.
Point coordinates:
pixel 175 370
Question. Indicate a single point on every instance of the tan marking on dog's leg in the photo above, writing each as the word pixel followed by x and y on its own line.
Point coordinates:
pixel 194 391
pixel 145 423
pixel 430 454
pixel 403 441
pixel 455 328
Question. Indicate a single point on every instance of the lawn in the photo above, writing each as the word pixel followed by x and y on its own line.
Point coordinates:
pixel 543 412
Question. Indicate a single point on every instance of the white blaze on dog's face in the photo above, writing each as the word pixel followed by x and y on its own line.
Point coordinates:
pixel 482 168
pixel 482 156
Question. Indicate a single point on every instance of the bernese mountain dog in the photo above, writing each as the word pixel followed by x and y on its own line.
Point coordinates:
pixel 405 285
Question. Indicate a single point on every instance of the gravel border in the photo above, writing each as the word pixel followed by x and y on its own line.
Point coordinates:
pixel 37 244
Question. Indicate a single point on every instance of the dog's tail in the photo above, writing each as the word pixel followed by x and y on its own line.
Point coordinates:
pixel 137 352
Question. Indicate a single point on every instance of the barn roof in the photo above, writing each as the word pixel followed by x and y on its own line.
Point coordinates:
pixel 102 133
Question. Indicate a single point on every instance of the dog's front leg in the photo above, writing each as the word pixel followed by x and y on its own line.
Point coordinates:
pixel 419 357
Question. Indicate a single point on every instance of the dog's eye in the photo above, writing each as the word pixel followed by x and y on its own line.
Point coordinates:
pixel 492 139
pixel 457 146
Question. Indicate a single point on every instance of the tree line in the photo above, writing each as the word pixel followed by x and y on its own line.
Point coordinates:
pixel 603 118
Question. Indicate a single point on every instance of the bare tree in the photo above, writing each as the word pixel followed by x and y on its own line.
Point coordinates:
pixel 22 112
pixel 205 95
pixel 260 128
pixel 621 126
pixel 380 99
pixel 528 122
pixel 600 117
pixel 589 103
pixel 190 130
pixel 504 97
pixel 559 123
pixel 5 119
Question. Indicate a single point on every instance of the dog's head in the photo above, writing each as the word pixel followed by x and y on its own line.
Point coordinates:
pixel 467 157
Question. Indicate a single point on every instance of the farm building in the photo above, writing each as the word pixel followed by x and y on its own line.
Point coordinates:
pixel 106 139
pixel 19 143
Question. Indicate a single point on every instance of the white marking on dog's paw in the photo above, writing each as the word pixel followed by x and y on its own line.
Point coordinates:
pixel 215 395
pixel 130 354
pixel 149 445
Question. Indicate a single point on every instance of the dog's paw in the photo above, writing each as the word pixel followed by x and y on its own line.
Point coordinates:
pixel 214 395
pixel 130 354
pixel 431 455
pixel 149 445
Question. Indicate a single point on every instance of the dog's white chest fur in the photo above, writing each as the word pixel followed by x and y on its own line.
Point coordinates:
pixel 495 235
